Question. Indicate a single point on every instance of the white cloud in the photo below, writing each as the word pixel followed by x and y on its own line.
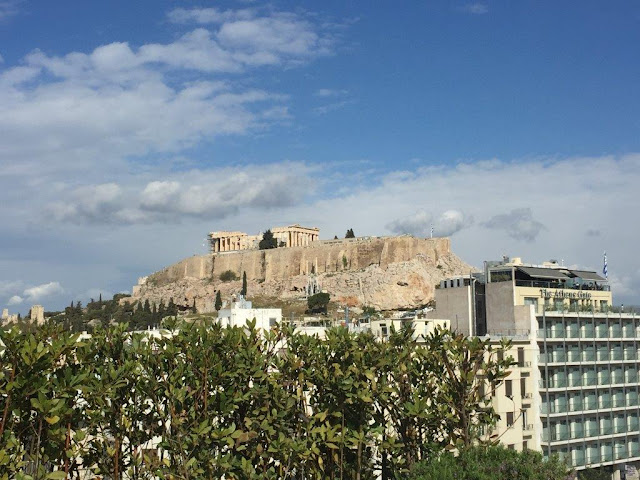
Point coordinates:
pixel 8 8
pixel 77 110
pixel 328 92
pixel 324 109
pixel 208 15
pixel 475 8
pixel 518 224
pixel 15 300
pixel 216 193
pixel 90 203
pixel 9 287
pixel 159 194
pixel 42 291
pixel 420 224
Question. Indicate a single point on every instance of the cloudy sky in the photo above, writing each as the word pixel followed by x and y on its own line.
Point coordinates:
pixel 130 130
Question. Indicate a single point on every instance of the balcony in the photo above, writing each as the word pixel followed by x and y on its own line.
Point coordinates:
pixel 560 285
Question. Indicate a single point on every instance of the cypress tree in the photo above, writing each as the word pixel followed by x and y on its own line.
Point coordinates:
pixel 218 304
pixel 243 292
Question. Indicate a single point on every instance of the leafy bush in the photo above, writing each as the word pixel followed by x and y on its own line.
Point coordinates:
pixel 228 276
pixel 490 463
pixel 233 402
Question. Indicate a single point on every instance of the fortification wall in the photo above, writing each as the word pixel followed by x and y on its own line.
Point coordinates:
pixel 320 257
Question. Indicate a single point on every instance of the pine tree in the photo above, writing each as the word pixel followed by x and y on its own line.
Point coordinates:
pixel 268 241
pixel 350 234
pixel 218 304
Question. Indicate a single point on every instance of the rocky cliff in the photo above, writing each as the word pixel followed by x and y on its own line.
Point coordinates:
pixel 387 273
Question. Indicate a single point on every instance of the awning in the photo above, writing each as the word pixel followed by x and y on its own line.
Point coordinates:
pixel 591 276
pixel 546 273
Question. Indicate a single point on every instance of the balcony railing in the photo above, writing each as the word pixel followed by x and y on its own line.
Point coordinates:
pixel 560 285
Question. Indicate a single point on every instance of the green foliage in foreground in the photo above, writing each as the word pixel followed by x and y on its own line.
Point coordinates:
pixel 235 403
pixel 490 463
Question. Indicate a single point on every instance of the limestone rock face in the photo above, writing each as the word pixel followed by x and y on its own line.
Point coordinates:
pixel 387 273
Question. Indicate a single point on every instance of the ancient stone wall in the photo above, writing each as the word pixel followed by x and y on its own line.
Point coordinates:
pixel 322 257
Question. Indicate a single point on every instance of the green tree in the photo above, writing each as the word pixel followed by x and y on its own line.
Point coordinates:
pixel 318 302
pixel 467 364
pixel 350 234
pixel 268 241
pixel 490 463
pixel 243 292
pixel 218 303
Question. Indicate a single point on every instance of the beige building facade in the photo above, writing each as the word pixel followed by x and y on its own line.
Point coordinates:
pixel 575 390
pixel 289 236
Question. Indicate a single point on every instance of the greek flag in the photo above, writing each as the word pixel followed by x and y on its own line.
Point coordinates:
pixel 604 267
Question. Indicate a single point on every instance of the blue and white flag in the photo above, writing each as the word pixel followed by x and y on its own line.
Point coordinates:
pixel 604 267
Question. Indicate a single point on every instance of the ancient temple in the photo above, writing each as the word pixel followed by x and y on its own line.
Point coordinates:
pixel 289 236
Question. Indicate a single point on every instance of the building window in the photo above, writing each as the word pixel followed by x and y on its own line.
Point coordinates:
pixel 531 301
pixel 523 387
pixel 520 356
pixel 509 419
pixel 272 322
pixel 508 388
pixel 525 445
pixel 511 446
pixel 501 276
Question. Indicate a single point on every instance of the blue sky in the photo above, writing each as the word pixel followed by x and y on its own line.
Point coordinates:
pixel 127 132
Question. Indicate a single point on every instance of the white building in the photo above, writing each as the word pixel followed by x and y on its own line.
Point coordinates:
pixel 575 391
pixel 241 312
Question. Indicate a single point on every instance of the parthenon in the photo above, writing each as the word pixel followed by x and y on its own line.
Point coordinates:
pixel 289 236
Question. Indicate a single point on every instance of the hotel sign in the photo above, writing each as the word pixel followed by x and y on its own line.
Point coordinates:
pixel 547 293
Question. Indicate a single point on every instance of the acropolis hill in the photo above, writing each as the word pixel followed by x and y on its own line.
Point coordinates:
pixel 387 273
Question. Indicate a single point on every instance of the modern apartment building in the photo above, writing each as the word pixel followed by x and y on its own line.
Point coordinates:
pixel 575 389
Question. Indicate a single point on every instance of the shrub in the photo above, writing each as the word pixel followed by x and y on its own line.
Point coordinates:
pixel 228 276
pixel 490 463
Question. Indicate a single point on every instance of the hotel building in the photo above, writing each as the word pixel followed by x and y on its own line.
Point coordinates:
pixel 575 388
